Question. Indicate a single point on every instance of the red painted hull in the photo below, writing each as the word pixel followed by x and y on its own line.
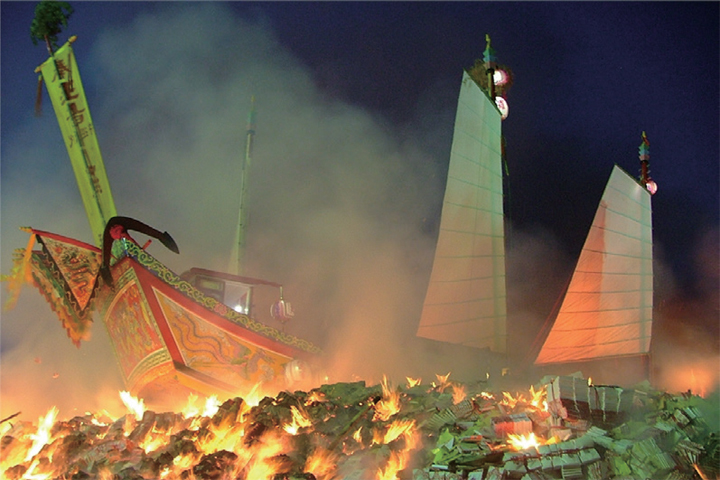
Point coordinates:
pixel 169 338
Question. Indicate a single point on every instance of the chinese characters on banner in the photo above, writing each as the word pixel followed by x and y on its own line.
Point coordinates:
pixel 62 80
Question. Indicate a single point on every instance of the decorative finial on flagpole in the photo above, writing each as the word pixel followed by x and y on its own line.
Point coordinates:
pixel 644 155
pixel 490 64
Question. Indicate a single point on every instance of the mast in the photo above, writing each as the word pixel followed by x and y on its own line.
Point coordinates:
pixel 238 255
pixel 489 58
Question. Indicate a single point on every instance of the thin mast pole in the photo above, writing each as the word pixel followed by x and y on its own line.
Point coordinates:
pixel 644 151
pixel 243 212
pixel 490 65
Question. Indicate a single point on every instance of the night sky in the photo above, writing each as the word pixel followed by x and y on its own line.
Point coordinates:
pixel 355 104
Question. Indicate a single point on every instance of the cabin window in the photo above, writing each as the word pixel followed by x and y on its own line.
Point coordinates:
pixel 211 288
pixel 237 297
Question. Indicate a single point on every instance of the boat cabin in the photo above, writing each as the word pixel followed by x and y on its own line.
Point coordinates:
pixel 237 292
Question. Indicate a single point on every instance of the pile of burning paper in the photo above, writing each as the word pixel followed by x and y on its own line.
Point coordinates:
pixel 566 428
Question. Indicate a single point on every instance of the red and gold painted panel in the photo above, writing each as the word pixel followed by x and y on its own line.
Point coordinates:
pixel 64 272
pixel 216 352
pixel 138 345
pixel 78 266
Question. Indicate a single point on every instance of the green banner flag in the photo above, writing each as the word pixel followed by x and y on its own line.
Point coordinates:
pixel 62 80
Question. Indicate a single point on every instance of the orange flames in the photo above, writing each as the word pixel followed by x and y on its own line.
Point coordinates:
pixel 134 405
pixel 521 442
pixel 442 382
pixel 299 420
pixel 210 408
pixel 398 458
pixel 142 432
pixel 537 400
pixel 322 464
pixel 459 393
pixel 42 437
pixel 390 403
pixel 32 445
pixel 412 382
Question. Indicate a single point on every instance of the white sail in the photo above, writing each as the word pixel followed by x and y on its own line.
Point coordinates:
pixel 607 311
pixel 466 299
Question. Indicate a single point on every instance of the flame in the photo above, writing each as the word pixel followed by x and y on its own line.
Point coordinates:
pixel 396 462
pixel 42 436
pixel 510 401
pixel 226 436
pixel 261 465
pixel 699 382
pixel 390 403
pixel 443 381
pixel 153 440
pixel 412 382
pixel 459 393
pixel 299 420
pixel 357 436
pixel 190 410
pixel 134 405
pixel 212 405
pixel 315 397
pixel 398 428
pixel 521 442
pixel 487 396
pixel 321 463
pixel 398 459
pixel 105 473
pixel 537 400
pixel 31 475
pixel 254 396
pixel 184 461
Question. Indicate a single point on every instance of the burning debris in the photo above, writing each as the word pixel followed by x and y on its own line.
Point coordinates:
pixel 567 428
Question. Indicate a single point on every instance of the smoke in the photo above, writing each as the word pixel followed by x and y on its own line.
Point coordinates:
pixel 686 335
pixel 342 204
pixel 337 198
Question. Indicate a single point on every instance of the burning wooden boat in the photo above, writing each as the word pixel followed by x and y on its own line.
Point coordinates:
pixel 169 332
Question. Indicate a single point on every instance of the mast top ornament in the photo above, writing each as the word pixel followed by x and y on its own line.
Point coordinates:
pixel 489 54
pixel 644 148
pixel 644 155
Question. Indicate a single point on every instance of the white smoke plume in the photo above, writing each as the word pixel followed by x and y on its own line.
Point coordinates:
pixel 337 198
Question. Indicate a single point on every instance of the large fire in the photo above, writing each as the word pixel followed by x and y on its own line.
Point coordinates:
pixel 341 430
pixel 215 437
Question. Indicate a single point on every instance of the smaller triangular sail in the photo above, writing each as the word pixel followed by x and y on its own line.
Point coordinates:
pixel 465 302
pixel 607 311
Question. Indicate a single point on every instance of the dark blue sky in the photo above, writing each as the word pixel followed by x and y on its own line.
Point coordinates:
pixel 589 78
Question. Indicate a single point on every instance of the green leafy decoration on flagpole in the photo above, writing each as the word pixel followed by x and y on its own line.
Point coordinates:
pixel 50 18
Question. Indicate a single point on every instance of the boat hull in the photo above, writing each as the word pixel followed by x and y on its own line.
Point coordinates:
pixel 168 337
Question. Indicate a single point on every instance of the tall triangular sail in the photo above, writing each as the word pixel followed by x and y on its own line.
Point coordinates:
pixel 466 299
pixel 607 311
